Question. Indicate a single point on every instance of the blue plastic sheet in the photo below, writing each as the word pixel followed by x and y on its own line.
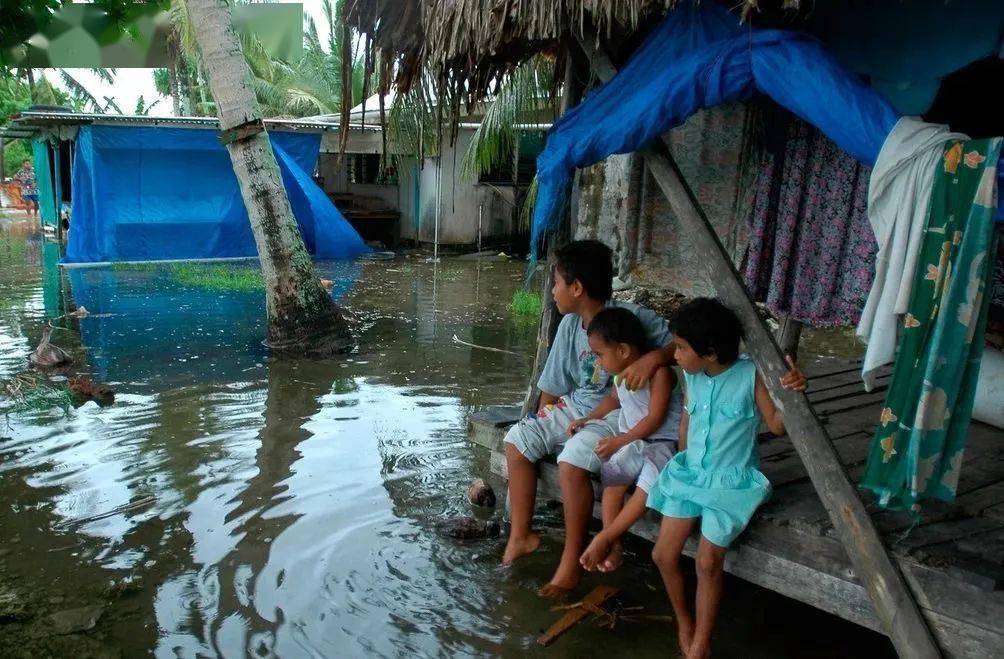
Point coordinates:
pixel 698 58
pixel 151 193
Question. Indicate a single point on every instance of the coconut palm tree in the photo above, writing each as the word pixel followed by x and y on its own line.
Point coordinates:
pixel 302 317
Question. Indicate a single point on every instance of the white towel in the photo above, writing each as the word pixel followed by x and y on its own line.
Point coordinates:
pixel 899 193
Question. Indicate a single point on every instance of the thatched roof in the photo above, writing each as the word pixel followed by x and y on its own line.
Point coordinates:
pixel 465 44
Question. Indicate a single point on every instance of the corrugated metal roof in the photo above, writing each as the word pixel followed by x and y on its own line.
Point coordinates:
pixel 32 120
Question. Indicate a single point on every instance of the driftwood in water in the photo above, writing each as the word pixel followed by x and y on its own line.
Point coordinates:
pixel 577 612
pixel 48 355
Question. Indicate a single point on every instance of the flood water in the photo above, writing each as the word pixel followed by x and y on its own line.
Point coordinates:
pixel 289 506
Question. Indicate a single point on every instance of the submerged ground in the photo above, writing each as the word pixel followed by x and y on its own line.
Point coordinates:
pixel 288 508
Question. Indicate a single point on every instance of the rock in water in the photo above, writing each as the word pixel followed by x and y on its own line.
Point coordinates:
pixel 84 389
pixel 74 620
pixel 47 354
pixel 480 493
pixel 469 528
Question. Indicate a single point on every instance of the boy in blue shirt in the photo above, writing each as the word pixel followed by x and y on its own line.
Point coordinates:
pixel 572 384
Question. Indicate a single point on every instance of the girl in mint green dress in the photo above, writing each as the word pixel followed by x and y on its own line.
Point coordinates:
pixel 714 479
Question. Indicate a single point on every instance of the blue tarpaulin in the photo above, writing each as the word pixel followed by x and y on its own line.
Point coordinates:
pixel 151 193
pixel 700 57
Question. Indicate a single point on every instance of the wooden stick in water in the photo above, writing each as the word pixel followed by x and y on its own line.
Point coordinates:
pixel 590 604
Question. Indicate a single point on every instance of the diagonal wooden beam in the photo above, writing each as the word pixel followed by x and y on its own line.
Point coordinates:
pixel 894 603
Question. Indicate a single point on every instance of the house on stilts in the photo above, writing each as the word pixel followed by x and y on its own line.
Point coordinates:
pixel 734 154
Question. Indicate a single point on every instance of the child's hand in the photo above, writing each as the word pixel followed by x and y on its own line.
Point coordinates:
pixel 576 425
pixel 638 374
pixel 794 379
pixel 608 446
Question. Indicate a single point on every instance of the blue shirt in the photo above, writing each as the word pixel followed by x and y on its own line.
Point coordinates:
pixel 571 367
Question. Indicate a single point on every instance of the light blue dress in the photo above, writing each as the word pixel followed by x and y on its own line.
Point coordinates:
pixel 717 477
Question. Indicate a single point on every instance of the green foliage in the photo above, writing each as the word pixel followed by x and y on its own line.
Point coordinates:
pixel 162 81
pixel 414 122
pixel 14 93
pixel 15 153
pixel 526 304
pixel 142 108
pixel 523 96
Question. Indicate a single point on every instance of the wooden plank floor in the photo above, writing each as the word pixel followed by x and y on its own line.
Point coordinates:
pixel 953 558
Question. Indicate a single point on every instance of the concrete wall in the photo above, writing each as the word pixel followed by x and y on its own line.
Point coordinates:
pixel 461 201
pixel 415 195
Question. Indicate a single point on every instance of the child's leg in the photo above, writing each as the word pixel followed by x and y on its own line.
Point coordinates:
pixel 522 496
pixel 603 553
pixel 613 505
pixel 672 536
pixel 576 464
pixel 525 444
pixel 710 575
pixel 577 501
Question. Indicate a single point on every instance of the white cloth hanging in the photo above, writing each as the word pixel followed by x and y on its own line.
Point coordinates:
pixel 899 194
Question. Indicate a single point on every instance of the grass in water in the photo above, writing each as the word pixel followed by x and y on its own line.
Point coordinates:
pixel 526 304
pixel 219 277
pixel 211 276
pixel 31 394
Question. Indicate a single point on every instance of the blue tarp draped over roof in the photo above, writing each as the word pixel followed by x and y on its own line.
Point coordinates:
pixel 154 193
pixel 698 58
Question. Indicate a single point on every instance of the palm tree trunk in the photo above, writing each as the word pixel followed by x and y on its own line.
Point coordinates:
pixel 302 317
pixel 31 83
pixel 172 75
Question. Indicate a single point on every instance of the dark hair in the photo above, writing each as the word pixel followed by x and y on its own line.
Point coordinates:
pixel 591 263
pixel 710 327
pixel 618 325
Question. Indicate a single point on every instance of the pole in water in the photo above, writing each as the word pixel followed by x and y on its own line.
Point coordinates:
pixel 439 205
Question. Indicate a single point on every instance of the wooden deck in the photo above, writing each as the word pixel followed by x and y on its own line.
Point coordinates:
pixel 953 560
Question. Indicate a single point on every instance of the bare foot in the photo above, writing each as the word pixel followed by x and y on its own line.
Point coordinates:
pixel 685 633
pixel 597 550
pixel 518 547
pixel 564 580
pixel 553 592
pixel 702 651
pixel 614 558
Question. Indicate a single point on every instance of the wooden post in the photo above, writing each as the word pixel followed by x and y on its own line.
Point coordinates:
pixel 788 335
pixel 550 317
pixel 894 603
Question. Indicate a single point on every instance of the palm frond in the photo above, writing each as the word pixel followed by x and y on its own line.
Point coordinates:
pixel 110 103
pixel 520 97
pixel 77 89
pixel 105 75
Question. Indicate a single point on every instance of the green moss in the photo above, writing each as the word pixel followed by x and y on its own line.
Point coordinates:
pixel 526 304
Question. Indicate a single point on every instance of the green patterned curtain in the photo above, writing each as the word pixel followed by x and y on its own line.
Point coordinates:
pixel 917 450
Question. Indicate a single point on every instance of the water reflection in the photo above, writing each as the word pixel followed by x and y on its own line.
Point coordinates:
pixel 294 500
